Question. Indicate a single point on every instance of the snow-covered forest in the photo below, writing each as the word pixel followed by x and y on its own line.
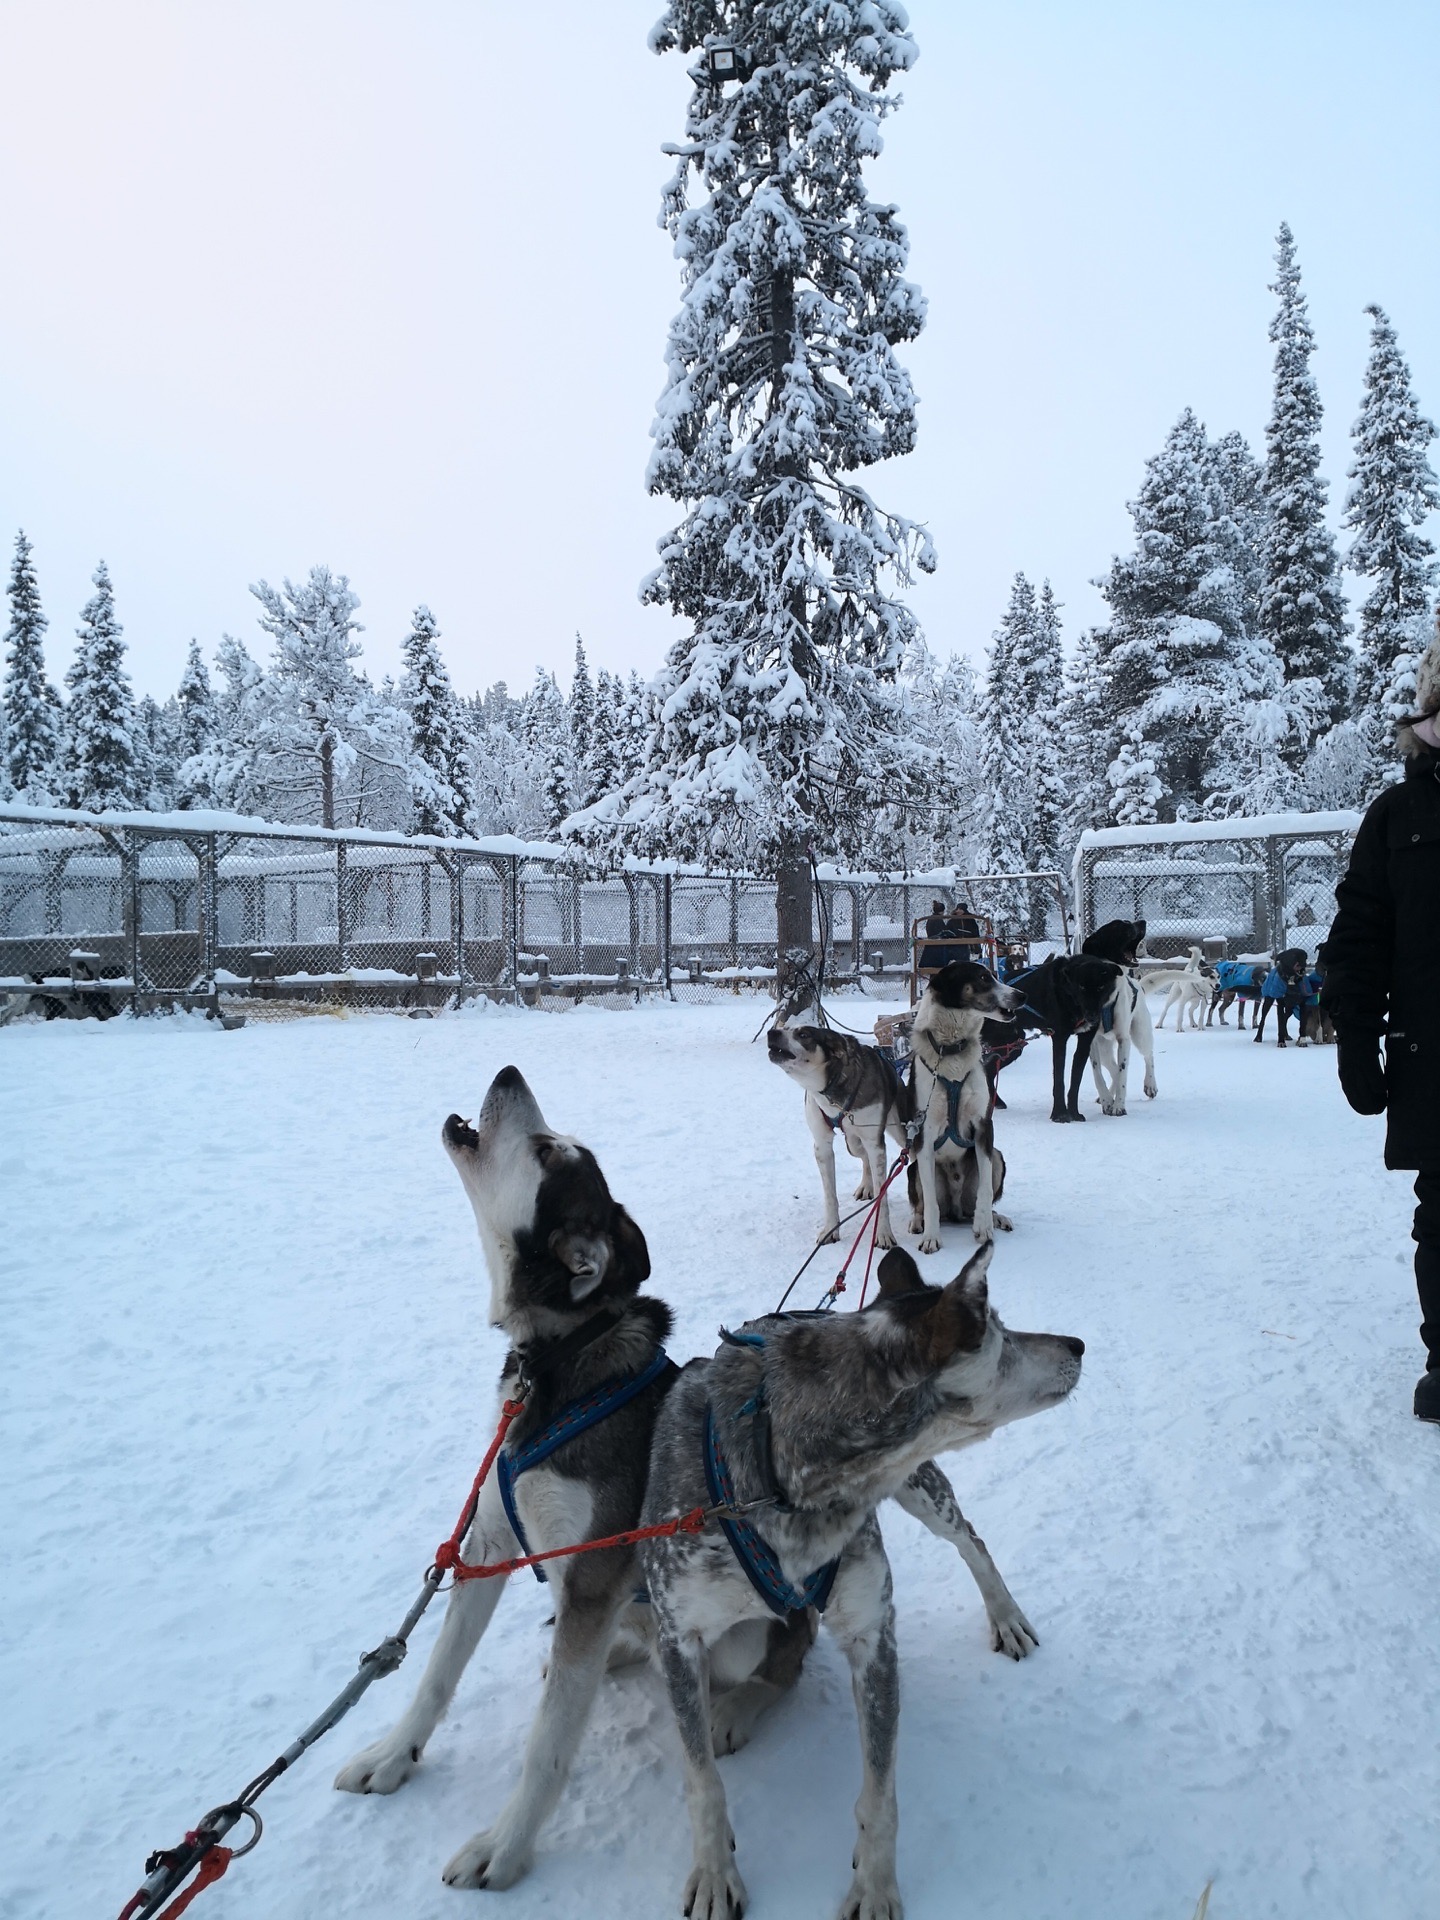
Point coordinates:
pixel 801 705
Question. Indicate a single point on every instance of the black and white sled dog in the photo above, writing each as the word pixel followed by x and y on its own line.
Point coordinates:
pixel 804 1425
pixel 1121 942
pixel 1066 996
pixel 853 1090
pixel 566 1265
pixel 952 1095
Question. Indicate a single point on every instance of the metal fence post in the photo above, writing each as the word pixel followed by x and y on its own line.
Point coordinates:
pixel 207 905
pixel 514 901
pixel 1085 895
pixel 663 935
pixel 128 845
pixel 632 897
pixel 456 869
pixel 1276 851
pixel 342 909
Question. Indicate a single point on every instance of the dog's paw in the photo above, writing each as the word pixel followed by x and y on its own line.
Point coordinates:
pixel 862 1192
pixel 379 1769
pixel 1150 1087
pixel 931 1243
pixel 917 1223
pixel 715 1893
pixel 884 1234
pixel 827 1237
pixel 1011 1633
pixel 984 1228
pixel 1004 1223
pixel 488 1860
pixel 872 1897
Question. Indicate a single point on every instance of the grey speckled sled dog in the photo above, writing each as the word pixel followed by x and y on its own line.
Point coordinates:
pixel 817 1419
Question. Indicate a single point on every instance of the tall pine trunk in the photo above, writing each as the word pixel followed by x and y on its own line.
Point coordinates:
pixel 327 781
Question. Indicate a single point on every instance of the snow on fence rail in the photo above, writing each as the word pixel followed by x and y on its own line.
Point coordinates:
pixel 217 910
pixel 1258 884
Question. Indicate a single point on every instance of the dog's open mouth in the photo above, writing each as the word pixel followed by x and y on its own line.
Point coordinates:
pixel 460 1133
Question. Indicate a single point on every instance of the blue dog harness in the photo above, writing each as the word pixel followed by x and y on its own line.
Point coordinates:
pixel 953 1091
pixel 568 1425
pixel 755 1554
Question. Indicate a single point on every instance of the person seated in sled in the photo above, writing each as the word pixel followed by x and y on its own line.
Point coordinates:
pixel 961 925
pixel 933 958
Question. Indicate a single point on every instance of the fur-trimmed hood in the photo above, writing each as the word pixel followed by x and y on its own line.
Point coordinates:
pixel 1427 699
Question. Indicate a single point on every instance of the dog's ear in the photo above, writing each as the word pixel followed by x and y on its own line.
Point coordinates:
pixel 962 1311
pixel 898 1273
pixel 588 1256
pixel 632 1256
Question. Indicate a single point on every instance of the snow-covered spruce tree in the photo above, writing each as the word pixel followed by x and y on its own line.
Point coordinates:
pixel 1182 668
pixel 1239 479
pixel 157 756
pixel 1044 694
pixel 582 728
pixel 196 728
pixel 1136 789
pixel 545 739
pixel 1007 795
pixel 1302 613
pixel 604 765
pixel 224 771
pixel 437 770
pixel 636 713
pixel 1393 490
pixel 321 735
pixel 196 700
pixel 101 755
pixel 32 722
pixel 783 382
pixel 927 773
pixel 1163 655
pixel 1086 723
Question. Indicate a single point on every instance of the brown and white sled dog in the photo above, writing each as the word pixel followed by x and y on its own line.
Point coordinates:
pixel 952 1096
pixel 853 1090
pixel 805 1424
pixel 566 1264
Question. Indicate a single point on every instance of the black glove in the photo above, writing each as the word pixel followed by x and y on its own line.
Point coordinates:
pixel 1362 1072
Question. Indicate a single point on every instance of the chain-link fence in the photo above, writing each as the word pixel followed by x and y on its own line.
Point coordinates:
pixel 1245 886
pixel 210 911
pixel 206 910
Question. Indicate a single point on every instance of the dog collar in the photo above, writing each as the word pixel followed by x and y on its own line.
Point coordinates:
pixel 540 1357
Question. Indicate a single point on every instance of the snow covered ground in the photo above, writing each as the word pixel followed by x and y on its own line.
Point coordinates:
pixel 247 1377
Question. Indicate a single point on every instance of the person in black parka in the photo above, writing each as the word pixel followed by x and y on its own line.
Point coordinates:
pixel 1381 982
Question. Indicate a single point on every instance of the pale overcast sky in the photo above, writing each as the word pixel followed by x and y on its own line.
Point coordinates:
pixel 380 285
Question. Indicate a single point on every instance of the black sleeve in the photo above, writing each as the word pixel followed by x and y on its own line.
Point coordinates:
pixel 1359 951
